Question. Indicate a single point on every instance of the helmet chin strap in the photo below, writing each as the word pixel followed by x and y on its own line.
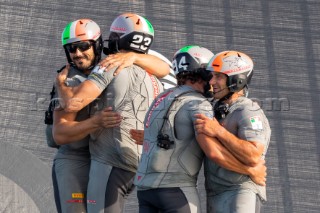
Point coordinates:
pixel 226 97
pixel 221 109
pixel 246 91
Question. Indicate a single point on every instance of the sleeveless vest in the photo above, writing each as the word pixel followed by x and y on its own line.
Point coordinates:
pixel 179 165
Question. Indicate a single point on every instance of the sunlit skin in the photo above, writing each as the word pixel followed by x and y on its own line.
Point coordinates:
pixel 220 89
pixel 66 129
pixel 213 129
pixel 219 85
pixel 204 125
pixel 83 59
pixel 126 58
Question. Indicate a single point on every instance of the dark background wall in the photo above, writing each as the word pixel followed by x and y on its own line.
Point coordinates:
pixel 282 37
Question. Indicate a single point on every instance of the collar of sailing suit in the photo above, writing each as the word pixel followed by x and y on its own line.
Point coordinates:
pixel 165 100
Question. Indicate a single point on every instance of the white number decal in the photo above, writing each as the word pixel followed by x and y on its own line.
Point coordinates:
pixel 181 65
pixel 147 42
pixel 174 65
pixel 139 42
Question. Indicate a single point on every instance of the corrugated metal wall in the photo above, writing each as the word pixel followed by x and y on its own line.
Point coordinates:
pixel 283 38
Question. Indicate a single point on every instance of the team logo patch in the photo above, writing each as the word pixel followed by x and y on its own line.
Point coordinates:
pixel 77 195
pixel 256 122
pixel 98 70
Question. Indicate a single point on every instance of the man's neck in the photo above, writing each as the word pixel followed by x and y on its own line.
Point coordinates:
pixel 234 97
pixel 196 86
pixel 87 72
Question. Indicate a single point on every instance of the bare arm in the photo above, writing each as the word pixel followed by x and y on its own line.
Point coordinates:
pixel 66 130
pixel 150 63
pixel 216 152
pixel 248 152
pixel 73 99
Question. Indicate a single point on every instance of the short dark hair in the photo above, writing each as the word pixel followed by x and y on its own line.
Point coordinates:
pixel 194 77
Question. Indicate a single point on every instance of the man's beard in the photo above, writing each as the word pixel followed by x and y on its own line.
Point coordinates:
pixel 82 66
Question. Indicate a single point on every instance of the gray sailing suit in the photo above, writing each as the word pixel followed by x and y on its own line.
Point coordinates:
pixel 228 191
pixel 114 154
pixel 177 167
pixel 72 161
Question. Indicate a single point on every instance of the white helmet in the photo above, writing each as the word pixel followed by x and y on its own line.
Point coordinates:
pixel 168 81
pixel 236 65
pixel 130 31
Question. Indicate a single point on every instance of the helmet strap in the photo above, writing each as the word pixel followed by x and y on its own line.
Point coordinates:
pixel 221 109
pixel 246 91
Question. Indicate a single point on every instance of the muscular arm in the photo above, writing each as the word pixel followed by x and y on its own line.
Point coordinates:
pixel 152 64
pixel 67 130
pixel 73 99
pixel 216 152
pixel 248 152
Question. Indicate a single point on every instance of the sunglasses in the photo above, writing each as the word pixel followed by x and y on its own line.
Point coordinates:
pixel 82 46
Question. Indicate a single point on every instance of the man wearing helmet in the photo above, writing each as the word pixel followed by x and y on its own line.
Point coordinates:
pixel 241 127
pixel 82 42
pixel 171 158
pixel 114 156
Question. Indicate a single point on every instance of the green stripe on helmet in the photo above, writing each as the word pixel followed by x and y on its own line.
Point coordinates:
pixel 187 48
pixel 149 26
pixel 66 34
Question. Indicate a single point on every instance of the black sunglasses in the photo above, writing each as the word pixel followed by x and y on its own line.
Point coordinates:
pixel 82 46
